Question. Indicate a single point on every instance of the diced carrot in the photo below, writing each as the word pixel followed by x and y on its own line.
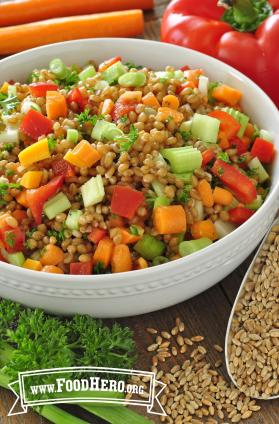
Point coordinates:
pixel 34 153
pixel 21 199
pixel 223 140
pixel 127 237
pixel 31 179
pixel 107 107
pixel 19 215
pixel 52 255
pixel 169 219
pixel 52 269
pixel 226 94
pixel 193 75
pixel 222 196
pixel 121 260
pixel 202 229
pixel 96 235
pixel 116 221
pixel 205 192
pixel 141 263
pixel 170 101
pixel 150 100
pixel 84 155
pixel 56 105
pixel 165 113
pixel 31 264
pixel 103 253
pixel 131 97
pixel 249 130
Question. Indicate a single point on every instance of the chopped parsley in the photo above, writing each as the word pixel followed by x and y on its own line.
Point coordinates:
pixel 8 147
pixel 52 143
pixel 70 79
pixel 59 235
pixel 224 157
pixel 34 76
pixel 10 238
pixel 150 199
pixel 131 138
pixel 123 119
pixel 134 230
pixel 185 135
pixel 9 172
pixel 3 96
pixel 31 232
pixel 9 104
pixel 100 268
pixel 85 116
pixel 220 171
pixel 131 65
pixel 5 187
pixel 242 159
pixel 183 196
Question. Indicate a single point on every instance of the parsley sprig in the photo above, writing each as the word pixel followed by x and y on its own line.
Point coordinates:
pixel 127 142
pixel 85 117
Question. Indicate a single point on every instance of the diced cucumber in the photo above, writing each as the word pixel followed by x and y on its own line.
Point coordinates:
pixel 132 79
pixel 106 130
pixel 203 85
pixel 115 71
pixel 72 221
pixel 186 177
pixel 92 191
pixel 149 247
pixel 72 135
pixel 100 85
pixel 98 130
pixel 56 205
pixel 183 159
pixel 205 128
pixel 28 105
pixel 186 126
pixel 188 247
pixel 240 117
pixel 158 188
pixel 16 259
pixel 266 135
pixel 87 72
pixel 223 228
pixel 161 201
pixel 256 204
pixel 256 166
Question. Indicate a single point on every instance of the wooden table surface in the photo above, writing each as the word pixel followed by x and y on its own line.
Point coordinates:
pixel 206 314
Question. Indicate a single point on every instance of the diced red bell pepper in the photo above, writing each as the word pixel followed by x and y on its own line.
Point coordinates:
pixel 35 124
pixel 180 88
pixel 184 68
pixel 263 150
pixel 107 63
pixel 121 109
pixel 207 156
pixel 96 235
pixel 81 268
pixel 62 167
pixel 229 125
pixel 12 238
pixel 125 201
pixel 241 144
pixel 242 187
pixel 36 198
pixel 76 96
pixel 240 214
pixel 39 89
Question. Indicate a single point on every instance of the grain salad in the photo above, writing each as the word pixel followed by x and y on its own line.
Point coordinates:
pixel 115 167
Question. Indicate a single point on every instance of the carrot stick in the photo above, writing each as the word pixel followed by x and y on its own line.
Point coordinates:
pixel 23 11
pixel 205 192
pixel 116 24
pixel 103 252
pixel 121 260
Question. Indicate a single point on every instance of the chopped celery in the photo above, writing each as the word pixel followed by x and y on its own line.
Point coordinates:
pixel 100 85
pixel 87 72
pixel 186 126
pixel 27 105
pixel 115 71
pixel 161 201
pixel 106 130
pixel 186 177
pixel 17 259
pixel 92 191
pixel 149 247
pixel 240 117
pixel 266 135
pixel 159 260
pixel 158 188
pixel 223 228
pixel 72 221
pixel 183 159
pixel 188 247
pixel 203 85
pixel 56 205
pixel 205 128
pixel 132 79
pixel 9 135
pixel 72 135
pixel 58 68
pixel 256 166
pixel 256 204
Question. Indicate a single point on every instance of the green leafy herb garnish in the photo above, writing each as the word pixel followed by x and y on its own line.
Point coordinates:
pixel 220 171
pixel 9 104
pixel 224 157
pixel 211 87
pixel 7 146
pixel 34 76
pixel 10 238
pixel 52 143
pixel 183 196
pixel 85 116
pixel 131 138
pixel 31 232
pixel 131 65
pixel 123 119
pixel 134 230
pixel 5 187
pixel 100 268
pixel 9 172
pixel 185 135
pixel 59 235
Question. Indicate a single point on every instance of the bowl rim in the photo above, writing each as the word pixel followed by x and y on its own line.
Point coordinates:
pixel 85 280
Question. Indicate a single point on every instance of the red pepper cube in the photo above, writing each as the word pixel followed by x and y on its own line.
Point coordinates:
pixel 62 167
pixel 34 124
pixel 81 268
pixel 96 235
pixel 239 215
pixel 39 89
pixel 76 96
pixel 263 150
pixel 12 238
pixel 125 201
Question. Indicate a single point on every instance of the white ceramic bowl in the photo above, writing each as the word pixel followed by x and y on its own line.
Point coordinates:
pixel 150 289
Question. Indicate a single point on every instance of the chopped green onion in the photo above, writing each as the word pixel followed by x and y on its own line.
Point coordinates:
pixel 58 68
pixel 188 247
pixel 16 259
pixel 56 205
pixel 87 72
pixel 183 159
pixel 72 221
pixel 159 260
pixel 72 135
pixel 205 128
pixel 149 247
pixel 93 191
pixel 132 79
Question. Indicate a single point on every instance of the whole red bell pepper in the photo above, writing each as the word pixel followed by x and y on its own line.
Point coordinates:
pixel 37 197
pixel 245 36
